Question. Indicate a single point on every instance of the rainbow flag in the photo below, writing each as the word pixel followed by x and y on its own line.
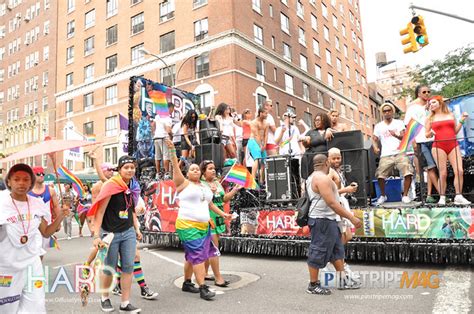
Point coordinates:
pixel 53 242
pixel 75 181
pixel 160 104
pixel 413 128
pixel 239 174
pixel 91 138
pixel 286 141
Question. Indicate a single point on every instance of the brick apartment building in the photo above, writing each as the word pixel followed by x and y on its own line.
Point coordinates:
pixel 27 74
pixel 305 55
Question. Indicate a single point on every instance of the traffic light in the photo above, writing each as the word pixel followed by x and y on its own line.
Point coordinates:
pixel 410 39
pixel 420 30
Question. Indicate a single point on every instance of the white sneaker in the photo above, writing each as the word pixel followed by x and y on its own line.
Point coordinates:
pixel 442 200
pixel 406 200
pixel 460 200
pixel 382 199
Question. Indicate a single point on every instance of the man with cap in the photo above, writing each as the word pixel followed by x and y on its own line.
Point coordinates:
pixel 388 134
pixel 48 196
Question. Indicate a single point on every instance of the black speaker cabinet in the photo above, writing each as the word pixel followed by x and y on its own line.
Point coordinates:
pixel 212 151
pixel 209 132
pixel 355 162
pixel 282 178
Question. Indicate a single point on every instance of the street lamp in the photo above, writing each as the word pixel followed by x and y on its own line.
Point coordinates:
pixel 143 51
pixel 182 63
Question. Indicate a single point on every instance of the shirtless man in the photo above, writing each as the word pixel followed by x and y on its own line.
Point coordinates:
pixel 258 141
pixel 335 125
pixel 271 146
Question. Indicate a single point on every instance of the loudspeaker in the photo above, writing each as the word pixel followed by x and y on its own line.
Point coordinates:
pixel 212 151
pixel 209 132
pixel 282 178
pixel 355 162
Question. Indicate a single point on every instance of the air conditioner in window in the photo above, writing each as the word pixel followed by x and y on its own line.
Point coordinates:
pixel 46 31
pixel 27 41
pixel 9 7
pixel 36 62
pixel 45 84
pixel 27 18
pixel 35 87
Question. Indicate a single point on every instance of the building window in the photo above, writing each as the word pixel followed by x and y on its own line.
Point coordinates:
pixel 332 103
pixel 257 5
pixel 339 65
pixel 328 57
pixel 111 155
pixel 69 79
pixel 88 128
pixel 348 72
pixel 308 119
pixel 273 42
pixel 205 102
pixel 317 71
pixel 70 28
pixel 261 100
pixel 343 30
pixel 285 23
pixel 316 49
pixel 45 103
pixel 46 53
pixel 260 69
pixel 167 10
pixel 289 83
pixel 301 36
pixel 167 42
pixel 270 7
pixel 110 64
pixel 111 126
pixel 198 3
pixel 111 35
pixel 88 101
pixel 334 22
pixel 111 93
pixel 89 46
pixel 287 52
pixel 88 73
pixel 303 63
pixel 200 29
pixel 112 7
pixel 299 9
pixel 70 5
pixel 258 34
pixel 305 91
pixel 137 23
pixel 70 55
pixel 314 22
pixel 346 52
pixel 69 106
pixel 330 80
pixel 167 75
pixel 88 161
pixel 336 43
pixel 137 55
pixel 202 65
pixel 324 10
pixel 89 20
pixel 326 33
pixel 320 98
pixel 133 2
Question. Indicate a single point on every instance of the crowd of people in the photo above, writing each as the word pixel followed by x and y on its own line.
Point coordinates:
pixel 31 211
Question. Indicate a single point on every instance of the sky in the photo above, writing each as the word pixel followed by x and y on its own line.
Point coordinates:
pixel 382 21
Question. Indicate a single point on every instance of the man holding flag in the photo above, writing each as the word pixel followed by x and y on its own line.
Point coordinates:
pixel 390 132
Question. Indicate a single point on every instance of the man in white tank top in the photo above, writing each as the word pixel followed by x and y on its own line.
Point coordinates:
pixel 326 245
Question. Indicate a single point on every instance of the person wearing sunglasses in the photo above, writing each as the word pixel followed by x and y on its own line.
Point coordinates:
pixel 417 111
pixel 388 134
pixel 48 196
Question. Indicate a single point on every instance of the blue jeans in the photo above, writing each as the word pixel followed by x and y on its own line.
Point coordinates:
pixel 429 162
pixel 125 244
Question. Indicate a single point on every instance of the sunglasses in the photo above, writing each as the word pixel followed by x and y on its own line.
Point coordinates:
pixel 39 174
pixel 426 92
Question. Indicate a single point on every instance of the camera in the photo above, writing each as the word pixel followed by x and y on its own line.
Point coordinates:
pixel 351 199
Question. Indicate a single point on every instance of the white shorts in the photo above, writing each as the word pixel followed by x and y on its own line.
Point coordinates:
pixel 20 295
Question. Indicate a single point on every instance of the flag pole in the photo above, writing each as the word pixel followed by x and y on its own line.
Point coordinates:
pixel 223 179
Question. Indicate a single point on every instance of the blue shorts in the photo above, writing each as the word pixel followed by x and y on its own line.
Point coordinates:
pixel 428 162
pixel 255 149
pixel 125 244
pixel 326 245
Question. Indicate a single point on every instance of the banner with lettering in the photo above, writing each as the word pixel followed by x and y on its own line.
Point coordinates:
pixel 438 223
pixel 279 223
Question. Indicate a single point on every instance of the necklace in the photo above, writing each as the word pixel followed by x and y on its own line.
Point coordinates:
pixel 24 237
pixel 203 193
pixel 128 200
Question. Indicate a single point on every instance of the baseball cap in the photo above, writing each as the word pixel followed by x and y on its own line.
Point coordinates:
pixel 289 114
pixel 38 169
pixel 125 160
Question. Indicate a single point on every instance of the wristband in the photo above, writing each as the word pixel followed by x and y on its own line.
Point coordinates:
pixel 96 237
pixel 173 150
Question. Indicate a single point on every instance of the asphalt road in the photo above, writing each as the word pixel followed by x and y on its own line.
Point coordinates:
pixel 262 284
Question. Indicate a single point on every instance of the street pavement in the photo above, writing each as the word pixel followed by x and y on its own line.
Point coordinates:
pixel 261 284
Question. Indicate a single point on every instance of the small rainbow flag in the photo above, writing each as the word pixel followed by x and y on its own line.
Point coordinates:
pixel 412 130
pixel 239 174
pixel 53 242
pixel 91 138
pixel 160 104
pixel 75 181
pixel 5 281
pixel 286 141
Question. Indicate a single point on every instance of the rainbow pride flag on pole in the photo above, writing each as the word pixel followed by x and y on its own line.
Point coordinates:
pixel 160 104
pixel 413 128
pixel 239 174
pixel 75 181
pixel 53 242
pixel 283 143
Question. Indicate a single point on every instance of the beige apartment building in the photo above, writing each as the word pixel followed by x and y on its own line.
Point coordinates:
pixel 27 74
pixel 305 55
pixel 393 81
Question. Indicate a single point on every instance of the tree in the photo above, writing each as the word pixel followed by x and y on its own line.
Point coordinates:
pixel 452 76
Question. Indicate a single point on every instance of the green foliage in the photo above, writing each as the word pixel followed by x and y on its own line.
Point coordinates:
pixel 452 76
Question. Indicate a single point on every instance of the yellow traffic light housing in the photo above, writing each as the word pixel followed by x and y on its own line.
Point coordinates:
pixel 420 30
pixel 410 39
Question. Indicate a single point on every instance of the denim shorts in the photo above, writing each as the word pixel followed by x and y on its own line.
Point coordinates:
pixel 125 244
pixel 427 160
pixel 326 245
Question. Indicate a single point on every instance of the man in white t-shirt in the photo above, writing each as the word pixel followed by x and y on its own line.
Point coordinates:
pixel 287 135
pixel 162 130
pixel 272 147
pixel 388 133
